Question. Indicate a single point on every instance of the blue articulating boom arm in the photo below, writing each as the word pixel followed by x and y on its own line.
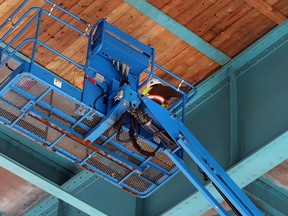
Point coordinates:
pixel 109 127
pixel 168 131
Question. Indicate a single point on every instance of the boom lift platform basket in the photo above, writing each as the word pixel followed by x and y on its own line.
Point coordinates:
pixel 108 127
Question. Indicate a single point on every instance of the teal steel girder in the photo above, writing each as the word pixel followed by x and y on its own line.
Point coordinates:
pixel 270 193
pixel 39 160
pixel 243 174
pixel 46 185
pixel 234 156
pixel 266 208
pixel 240 65
pixel 273 186
pixel 179 30
pixel 271 155
pixel 74 186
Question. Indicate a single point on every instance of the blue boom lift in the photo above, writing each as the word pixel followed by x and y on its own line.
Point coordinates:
pixel 109 128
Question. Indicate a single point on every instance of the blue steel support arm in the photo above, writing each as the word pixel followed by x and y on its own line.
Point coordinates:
pixel 109 120
pixel 181 165
pixel 216 174
pixel 128 98
pixel 263 160
pixel 210 168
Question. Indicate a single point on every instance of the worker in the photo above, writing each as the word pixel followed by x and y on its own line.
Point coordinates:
pixel 162 94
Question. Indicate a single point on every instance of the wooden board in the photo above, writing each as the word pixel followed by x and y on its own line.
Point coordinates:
pixel 228 25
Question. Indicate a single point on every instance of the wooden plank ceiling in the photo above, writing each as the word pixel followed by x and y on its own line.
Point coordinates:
pixel 228 25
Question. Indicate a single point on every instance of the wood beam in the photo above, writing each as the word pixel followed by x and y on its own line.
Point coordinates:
pixel 179 30
pixel 267 10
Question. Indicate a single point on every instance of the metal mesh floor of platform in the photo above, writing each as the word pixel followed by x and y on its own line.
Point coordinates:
pixel 59 122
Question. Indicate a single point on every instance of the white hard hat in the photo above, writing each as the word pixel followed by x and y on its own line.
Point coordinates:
pixel 153 82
